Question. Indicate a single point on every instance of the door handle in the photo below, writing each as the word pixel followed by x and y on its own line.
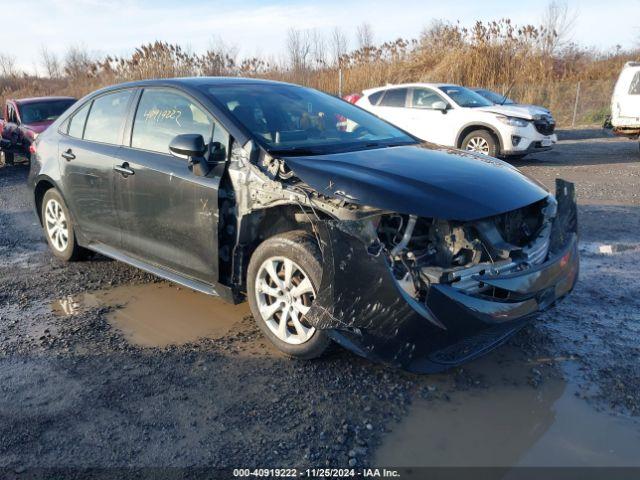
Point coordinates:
pixel 124 169
pixel 68 155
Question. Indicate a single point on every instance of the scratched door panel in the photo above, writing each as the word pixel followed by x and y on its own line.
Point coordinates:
pixel 169 215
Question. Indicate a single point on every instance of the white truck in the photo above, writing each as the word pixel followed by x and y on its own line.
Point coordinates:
pixel 625 103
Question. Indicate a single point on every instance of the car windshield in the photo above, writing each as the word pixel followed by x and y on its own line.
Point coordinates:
pixel 288 119
pixel 46 111
pixel 495 97
pixel 465 98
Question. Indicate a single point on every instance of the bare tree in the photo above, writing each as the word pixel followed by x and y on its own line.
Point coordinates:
pixel 558 22
pixel 8 65
pixel 76 61
pixel 318 48
pixel 364 35
pixel 51 63
pixel 298 49
pixel 338 45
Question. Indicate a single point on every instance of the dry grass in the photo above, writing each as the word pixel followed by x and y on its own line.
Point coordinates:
pixel 497 55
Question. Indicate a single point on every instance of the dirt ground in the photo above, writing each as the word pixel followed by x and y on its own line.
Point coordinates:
pixel 93 372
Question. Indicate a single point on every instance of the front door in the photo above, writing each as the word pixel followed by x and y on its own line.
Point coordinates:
pixel 169 215
pixel 88 151
pixel 429 123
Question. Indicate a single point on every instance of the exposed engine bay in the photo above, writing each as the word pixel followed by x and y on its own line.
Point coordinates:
pixel 423 251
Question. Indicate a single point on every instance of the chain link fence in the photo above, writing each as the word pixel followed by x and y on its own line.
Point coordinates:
pixel 572 103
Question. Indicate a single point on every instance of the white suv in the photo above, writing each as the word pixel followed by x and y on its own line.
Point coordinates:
pixel 625 103
pixel 459 117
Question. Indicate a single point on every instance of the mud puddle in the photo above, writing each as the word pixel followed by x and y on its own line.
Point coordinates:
pixel 158 315
pixel 511 423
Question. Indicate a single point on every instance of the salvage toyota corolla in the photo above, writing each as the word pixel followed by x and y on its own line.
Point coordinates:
pixel 335 225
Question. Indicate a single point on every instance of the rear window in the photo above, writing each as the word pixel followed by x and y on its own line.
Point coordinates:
pixel 395 97
pixel 375 97
pixel 106 117
pixel 76 124
pixel 45 111
pixel 634 88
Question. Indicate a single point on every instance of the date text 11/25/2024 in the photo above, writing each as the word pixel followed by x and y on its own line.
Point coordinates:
pixel 316 473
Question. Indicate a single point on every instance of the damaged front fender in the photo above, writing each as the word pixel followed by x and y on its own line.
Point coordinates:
pixel 363 307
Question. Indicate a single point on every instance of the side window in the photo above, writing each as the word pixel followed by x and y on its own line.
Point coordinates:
pixel 163 114
pixel 375 97
pixel 425 98
pixel 106 117
pixel 76 123
pixel 634 88
pixel 395 97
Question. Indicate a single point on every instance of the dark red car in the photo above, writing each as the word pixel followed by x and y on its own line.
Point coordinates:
pixel 24 119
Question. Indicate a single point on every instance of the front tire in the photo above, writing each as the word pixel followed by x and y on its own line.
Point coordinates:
pixel 481 141
pixel 59 228
pixel 283 278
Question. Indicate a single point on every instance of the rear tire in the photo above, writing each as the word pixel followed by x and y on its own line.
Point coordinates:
pixel 58 228
pixel 283 279
pixel 481 141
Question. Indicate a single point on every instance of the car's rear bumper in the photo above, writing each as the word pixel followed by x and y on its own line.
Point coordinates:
pixel 365 310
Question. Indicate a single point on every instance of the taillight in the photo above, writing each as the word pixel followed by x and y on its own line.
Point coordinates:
pixel 32 148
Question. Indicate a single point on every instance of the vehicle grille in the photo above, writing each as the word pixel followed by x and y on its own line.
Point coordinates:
pixel 546 125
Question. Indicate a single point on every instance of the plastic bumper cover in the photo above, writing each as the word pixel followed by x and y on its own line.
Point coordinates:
pixel 365 310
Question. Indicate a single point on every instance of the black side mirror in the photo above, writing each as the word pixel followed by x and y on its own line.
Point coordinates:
pixel 191 145
pixel 188 144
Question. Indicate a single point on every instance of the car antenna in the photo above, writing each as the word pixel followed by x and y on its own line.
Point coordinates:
pixel 504 97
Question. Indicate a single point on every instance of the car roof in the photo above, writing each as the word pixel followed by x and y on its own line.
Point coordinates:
pixel 23 101
pixel 194 82
pixel 407 85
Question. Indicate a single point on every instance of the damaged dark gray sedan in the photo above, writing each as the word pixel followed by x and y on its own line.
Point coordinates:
pixel 335 225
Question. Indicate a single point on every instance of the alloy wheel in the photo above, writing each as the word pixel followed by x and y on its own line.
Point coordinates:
pixel 478 145
pixel 56 224
pixel 284 294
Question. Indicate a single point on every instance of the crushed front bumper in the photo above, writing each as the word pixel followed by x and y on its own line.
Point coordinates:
pixel 365 310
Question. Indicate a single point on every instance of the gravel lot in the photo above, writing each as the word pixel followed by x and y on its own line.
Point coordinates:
pixel 77 391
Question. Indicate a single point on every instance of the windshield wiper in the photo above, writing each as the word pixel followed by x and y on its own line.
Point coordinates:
pixel 294 151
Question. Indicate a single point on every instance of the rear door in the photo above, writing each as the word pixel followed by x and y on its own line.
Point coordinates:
pixel 169 215
pixel 89 149
pixel 392 107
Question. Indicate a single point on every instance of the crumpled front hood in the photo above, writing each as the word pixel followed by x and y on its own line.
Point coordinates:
pixel 424 180
pixel 529 112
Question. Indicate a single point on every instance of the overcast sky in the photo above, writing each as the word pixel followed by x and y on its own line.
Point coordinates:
pixel 255 27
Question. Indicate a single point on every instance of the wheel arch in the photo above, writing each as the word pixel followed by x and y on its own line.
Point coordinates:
pixel 470 127
pixel 42 185
pixel 256 227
